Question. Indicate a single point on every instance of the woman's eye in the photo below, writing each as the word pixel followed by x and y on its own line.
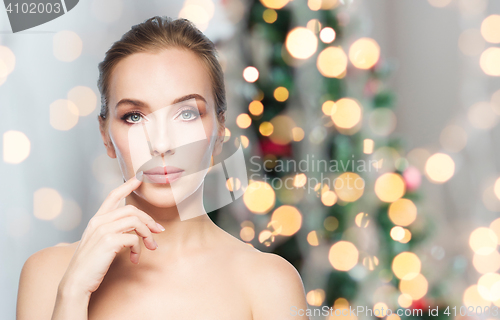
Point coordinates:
pixel 134 117
pixel 187 115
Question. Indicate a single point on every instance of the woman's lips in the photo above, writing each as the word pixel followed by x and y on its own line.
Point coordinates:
pixel 163 174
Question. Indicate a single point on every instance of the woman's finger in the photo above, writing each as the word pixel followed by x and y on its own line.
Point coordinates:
pixel 127 224
pixel 113 199
pixel 130 210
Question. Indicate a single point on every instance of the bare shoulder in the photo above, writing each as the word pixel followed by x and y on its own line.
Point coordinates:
pixel 40 277
pixel 272 284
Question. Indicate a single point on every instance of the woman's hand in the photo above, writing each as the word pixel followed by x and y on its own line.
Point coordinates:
pixel 105 236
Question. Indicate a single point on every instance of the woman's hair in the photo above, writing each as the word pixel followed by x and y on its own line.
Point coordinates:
pixel 158 33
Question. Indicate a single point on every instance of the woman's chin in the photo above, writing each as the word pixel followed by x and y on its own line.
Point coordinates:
pixel 158 197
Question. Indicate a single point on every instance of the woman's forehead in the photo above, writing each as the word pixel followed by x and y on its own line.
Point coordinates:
pixel 160 77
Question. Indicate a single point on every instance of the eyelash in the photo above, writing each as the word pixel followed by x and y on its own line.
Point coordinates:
pixel 128 114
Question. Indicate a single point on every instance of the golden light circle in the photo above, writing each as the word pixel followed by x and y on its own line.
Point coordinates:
pixel 389 187
pixel 283 126
pixel 362 219
pixel 397 233
pixel 315 297
pixel 486 263
pixel 488 286
pixel 332 62
pixel 406 237
pixel 329 198
pixel 349 186
pixel 243 121
pixel 270 15
pixel 266 128
pixel 281 94
pixel 343 255
pixel 347 113
pixel 67 45
pixel 471 297
pixel 274 4
pixel 266 237
pixel 327 35
pixel 259 197
pixel 490 28
pixel 416 288
pixel 63 114
pixel 402 212
pixel 364 53
pixel 250 74
pixel 490 61
pixel 406 265
pixel 439 167
pixel 287 218
pixel 331 223
pixel 381 309
pixel 328 107
pixel 16 147
pixel 256 108
pixel 301 43
pixel 312 238
pixel 47 203
pixel 298 134
pixel 483 241
pixel 247 234
pixel 244 141
pixel 405 300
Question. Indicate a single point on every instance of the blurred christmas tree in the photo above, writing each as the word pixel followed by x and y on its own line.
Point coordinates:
pixel 333 192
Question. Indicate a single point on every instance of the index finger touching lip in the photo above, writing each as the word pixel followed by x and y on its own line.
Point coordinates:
pixel 113 199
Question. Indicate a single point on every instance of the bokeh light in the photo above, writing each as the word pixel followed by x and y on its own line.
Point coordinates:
pixel 349 186
pixel 312 238
pixel 490 28
pixel 332 62
pixel 67 46
pixel 364 53
pixel 256 108
pixel 274 4
pixel 490 61
pixel 483 240
pixel 47 203
pixel 471 43
pixel 402 212
pixel 301 43
pixel 347 114
pixel 243 121
pixel 282 133
pixel 343 255
pixel 288 219
pixel 250 74
pixel 259 197
pixel 406 265
pixel 16 147
pixel 7 61
pixel 84 98
pixel 63 114
pixel 281 94
pixel 389 187
pixel 439 168
pixel 416 288
pixel 327 35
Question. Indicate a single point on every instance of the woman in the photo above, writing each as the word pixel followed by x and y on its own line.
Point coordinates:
pixel 189 268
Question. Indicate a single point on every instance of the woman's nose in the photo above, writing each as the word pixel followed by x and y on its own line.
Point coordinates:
pixel 162 137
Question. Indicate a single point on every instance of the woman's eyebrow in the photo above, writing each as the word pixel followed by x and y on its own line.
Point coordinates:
pixel 142 104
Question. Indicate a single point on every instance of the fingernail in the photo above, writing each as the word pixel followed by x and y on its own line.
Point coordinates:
pixel 156 244
pixel 139 175
pixel 160 226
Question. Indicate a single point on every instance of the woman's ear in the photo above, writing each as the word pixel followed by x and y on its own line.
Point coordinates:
pixel 110 149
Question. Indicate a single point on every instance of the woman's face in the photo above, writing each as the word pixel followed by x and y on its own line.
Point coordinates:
pixel 162 118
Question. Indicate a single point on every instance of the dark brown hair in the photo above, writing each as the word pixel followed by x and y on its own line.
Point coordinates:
pixel 158 33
